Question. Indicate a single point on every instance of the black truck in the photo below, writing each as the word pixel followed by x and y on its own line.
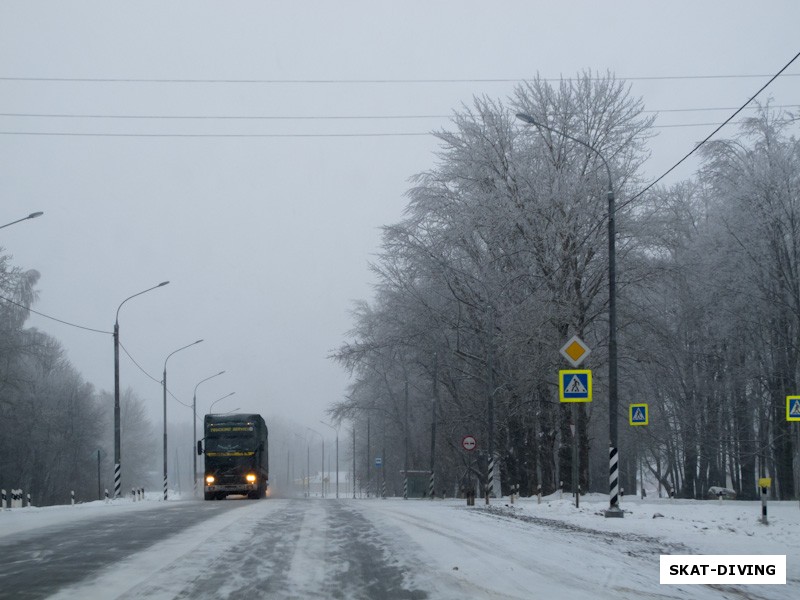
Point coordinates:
pixel 237 456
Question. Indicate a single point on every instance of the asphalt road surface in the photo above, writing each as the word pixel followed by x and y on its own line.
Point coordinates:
pixel 229 549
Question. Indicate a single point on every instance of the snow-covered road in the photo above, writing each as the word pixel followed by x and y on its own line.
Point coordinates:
pixel 375 549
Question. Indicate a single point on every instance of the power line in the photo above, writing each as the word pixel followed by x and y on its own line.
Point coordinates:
pixel 277 135
pixel 363 81
pixel 133 360
pixel 309 117
pixel 213 135
pixel 158 381
pixel 226 117
pixel 710 135
pixel 53 318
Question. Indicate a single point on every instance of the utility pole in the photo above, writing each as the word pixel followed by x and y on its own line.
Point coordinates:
pixel 490 402
pixel 405 436
pixel 431 487
pixel 354 460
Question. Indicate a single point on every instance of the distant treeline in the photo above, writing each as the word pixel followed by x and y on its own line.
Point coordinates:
pixel 53 424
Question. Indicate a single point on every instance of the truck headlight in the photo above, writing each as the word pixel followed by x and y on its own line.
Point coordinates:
pixel 251 478
pixel 209 479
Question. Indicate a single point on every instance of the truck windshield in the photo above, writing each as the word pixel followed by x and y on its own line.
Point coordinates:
pixel 231 444
pixel 231 437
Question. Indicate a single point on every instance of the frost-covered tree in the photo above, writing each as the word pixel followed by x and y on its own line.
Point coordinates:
pixel 501 257
pixel 755 183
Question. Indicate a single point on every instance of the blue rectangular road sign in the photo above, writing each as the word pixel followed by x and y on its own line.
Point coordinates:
pixel 637 414
pixel 575 385
pixel 793 408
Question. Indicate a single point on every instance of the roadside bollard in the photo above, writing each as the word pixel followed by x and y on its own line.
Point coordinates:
pixel 29 499
pixel 471 497
pixel 106 493
pixel 764 483
pixel 719 494
pixel 141 493
pixel 72 497
pixel 3 505
pixel 560 490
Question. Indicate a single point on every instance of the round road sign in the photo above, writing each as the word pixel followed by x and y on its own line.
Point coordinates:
pixel 468 443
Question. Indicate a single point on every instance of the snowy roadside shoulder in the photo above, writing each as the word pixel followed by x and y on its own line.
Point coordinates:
pixel 681 526
pixel 14 521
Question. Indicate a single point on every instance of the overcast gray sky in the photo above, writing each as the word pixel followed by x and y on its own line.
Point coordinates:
pixel 266 240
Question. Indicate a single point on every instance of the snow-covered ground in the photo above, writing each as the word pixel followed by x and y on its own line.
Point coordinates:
pixel 447 550
pixel 578 553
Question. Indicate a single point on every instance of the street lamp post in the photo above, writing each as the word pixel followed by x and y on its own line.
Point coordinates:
pixel 117 444
pixel 354 459
pixel 322 472
pixel 30 216
pixel 33 215
pixel 194 432
pixel 218 399
pixel 336 429
pixel 613 510
pixel 164 382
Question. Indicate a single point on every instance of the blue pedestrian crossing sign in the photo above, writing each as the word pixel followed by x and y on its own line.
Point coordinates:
pixel 793 408
pixel 575 385
pixel 638 414
pixel 378 461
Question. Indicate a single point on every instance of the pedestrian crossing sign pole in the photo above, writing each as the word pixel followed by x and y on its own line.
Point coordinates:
pixel 638 414
pixel 575 385
pixel 793 408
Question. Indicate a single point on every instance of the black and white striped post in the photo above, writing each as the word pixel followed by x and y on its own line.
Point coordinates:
pixel 613 481
pixel 117 480
pixel 763 484
pixel 4 504
pixel 72 497
pixel 490 479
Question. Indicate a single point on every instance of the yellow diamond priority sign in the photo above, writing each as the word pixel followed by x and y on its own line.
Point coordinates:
pixel 575 351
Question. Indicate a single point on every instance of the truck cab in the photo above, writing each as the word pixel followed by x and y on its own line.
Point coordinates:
pixel 236 456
